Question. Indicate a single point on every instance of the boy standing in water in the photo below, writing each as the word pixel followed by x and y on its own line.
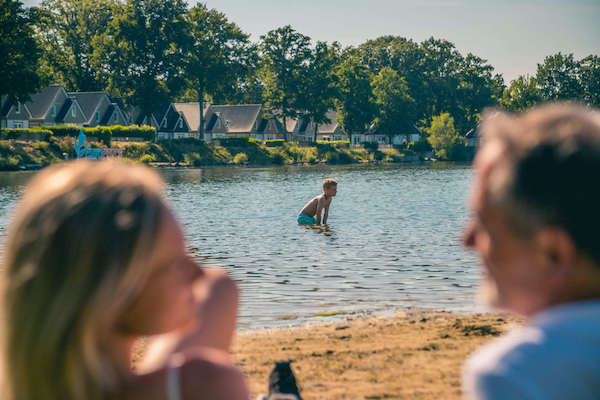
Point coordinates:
pixel 319 204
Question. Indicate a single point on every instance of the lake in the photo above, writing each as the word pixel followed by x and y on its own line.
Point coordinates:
pixel 392 241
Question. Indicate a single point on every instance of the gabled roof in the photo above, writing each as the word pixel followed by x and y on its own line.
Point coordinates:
pixel 191 113
pixel 40 103
pixel 238 118
pixel 265 121
pixel 89 101
pixel 105 119
pixel 158 113
pixel 332 125
pixel 60 116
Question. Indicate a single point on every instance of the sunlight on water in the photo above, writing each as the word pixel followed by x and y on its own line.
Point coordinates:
pixel 393 239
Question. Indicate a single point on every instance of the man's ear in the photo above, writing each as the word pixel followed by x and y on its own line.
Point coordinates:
pixel 558 253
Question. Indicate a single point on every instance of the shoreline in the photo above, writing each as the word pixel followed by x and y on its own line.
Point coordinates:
pixel 412 354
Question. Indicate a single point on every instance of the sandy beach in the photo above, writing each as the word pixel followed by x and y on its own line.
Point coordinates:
pixel 412 355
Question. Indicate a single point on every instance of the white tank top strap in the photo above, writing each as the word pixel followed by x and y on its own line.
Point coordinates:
pixel 173 377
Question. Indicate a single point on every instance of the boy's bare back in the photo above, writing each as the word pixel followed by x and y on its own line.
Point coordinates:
pixel 311 207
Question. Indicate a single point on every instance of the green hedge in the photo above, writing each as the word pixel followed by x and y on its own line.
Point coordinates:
pixel 105 133
pixel 32 134
pixel 236 142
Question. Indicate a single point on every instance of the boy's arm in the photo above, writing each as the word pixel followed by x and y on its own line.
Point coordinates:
pixel 319 209
pixel 326 213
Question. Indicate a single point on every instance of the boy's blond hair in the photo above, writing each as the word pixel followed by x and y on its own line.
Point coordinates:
pixel 329 182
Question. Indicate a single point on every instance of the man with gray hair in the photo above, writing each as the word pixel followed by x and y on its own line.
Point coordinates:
pixel 535 225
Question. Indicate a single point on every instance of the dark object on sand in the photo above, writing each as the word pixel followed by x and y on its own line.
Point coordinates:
pixel 282 383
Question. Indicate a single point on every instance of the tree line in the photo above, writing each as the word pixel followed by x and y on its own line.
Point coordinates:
pixel 152 51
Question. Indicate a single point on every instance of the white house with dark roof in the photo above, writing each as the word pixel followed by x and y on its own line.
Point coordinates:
pixel 53 106
pixel 13 114
pixel 413 134
pixel 99 109
pixel 242 120
pixel 190 112
pixel 173 125
pixel 303 130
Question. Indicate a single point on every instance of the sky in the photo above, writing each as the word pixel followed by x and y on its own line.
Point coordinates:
pixel 514 36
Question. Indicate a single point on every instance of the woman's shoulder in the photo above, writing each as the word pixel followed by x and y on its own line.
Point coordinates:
pixel 212 373
pixel 199 373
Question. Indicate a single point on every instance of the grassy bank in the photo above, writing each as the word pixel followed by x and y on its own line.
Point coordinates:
pixel 408 356
pixel 16 155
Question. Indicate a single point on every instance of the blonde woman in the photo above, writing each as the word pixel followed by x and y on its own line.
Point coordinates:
pixel 94 261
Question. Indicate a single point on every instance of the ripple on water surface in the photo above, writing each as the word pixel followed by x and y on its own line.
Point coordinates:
pixel 392 239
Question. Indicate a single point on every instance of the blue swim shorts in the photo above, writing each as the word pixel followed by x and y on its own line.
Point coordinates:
pixel 304 219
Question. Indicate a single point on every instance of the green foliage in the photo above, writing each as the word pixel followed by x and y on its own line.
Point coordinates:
pixel 395 106
pixel 285 54
pixel 559 77
pixel 240 158
pixel 219 55
pixel 68 31
pixel 372 146
pixel 274 142
pixel 319 90
pixel 438 77
pixel 420 146
pixel 19 52
pixel 521 94
pixel 144 50
pixel 354 105
pixel 277 158
pixel 147 158
pixel 237 142
pixel 444 140
pixel 31 134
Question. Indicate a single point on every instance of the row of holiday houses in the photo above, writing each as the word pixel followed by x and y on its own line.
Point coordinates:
pixel 53 105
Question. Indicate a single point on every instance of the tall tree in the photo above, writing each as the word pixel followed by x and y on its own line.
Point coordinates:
pixel 285 54
pixel 590 79
pixel 144 51
pixel 355 104
pixel 320 89
pixel 521 94
pixel 558 78
pixel 444 139
pixel 66 31
pixel 19 52
pixel 219 55
pixel 395 106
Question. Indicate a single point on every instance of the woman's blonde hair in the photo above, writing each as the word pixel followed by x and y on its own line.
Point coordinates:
pixel 74 262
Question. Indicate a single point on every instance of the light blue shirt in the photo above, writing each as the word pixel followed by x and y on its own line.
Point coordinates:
pixel 555 356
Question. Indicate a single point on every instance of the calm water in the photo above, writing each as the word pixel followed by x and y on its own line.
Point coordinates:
pixel 393 239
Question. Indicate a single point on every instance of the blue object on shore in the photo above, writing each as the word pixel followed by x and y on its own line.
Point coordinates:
pixel 84 151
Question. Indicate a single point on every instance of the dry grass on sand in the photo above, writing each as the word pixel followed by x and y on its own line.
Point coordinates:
pixel 413 355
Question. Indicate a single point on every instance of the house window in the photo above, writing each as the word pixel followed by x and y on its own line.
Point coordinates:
pixel 218 123
pixel 73 112
pixel 97 116
pixel 18 108
pixel 164 123
pixel 180 123
pixel 116 117
pixel 18 124
pixel 53 110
